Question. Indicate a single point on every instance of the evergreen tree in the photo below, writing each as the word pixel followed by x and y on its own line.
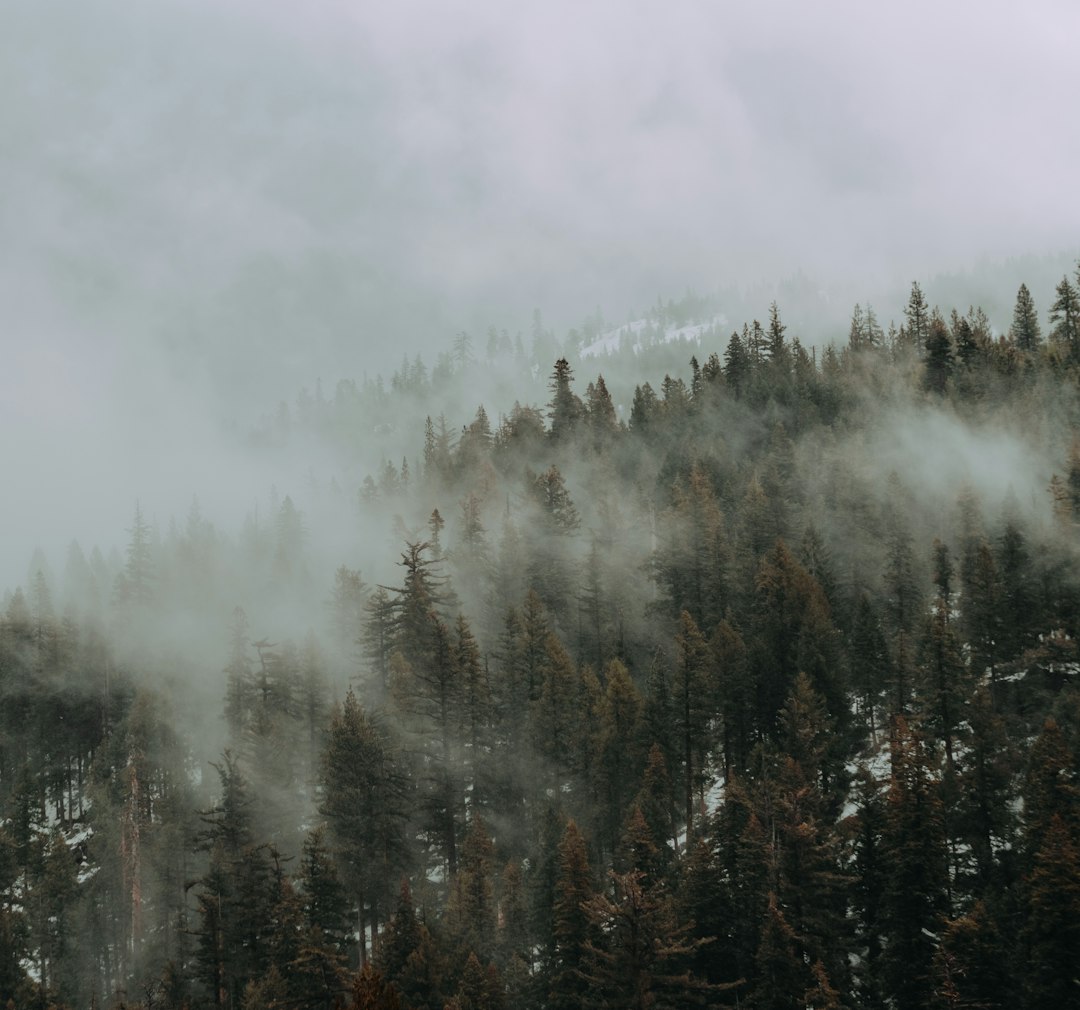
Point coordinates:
pixel 1065 319
pixel 1025 330
pixel 571 924
pixel 694 687
pixel 471 909
pixel 1017 596
pixel 134 587
pixel 324 903
pixel 377 639
pixel 868 657
pixel 235 897
pixel 794 632
pixel 971 967
pixel 371 992
pixel 944 688
pixel 915 889
pixel 401 937
pixel 638 958
pixel 939 356
pixel 737 365
pixel 565 409
pixel 644 408
pixel 782 974
pixel 556 717
pixel 617 733
pixel 691 561
pixel 347 605
pixel 555 504
pixel 917 314
pixel 600 413
pixel 1052 927
pixel 364 800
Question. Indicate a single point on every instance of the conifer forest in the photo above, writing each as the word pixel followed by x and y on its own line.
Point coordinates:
pixel 539 506
pixel 696 667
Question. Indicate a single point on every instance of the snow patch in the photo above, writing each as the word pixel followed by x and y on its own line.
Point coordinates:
pixel 635 336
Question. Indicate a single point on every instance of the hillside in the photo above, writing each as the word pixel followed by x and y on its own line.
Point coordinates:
pixel 745 672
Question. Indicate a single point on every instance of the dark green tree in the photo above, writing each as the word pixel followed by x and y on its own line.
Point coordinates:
pixel 571 923
pixel 565 408
pixel 915 892
pixel 1065 319
pixel 1025 330
pixel 364 798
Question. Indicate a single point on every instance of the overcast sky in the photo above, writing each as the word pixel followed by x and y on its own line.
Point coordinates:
pixel 202 200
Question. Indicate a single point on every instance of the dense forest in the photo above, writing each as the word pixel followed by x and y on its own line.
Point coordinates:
pixel 744 676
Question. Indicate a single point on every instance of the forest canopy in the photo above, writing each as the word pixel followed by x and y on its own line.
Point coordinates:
pixel 695 667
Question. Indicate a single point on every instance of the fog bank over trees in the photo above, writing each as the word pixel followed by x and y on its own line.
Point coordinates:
pixel 765 653
pixel 539 509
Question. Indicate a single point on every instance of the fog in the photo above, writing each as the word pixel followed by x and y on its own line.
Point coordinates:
pixel 207 205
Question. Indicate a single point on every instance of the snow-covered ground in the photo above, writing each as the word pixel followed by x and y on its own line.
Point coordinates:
pixel 639 333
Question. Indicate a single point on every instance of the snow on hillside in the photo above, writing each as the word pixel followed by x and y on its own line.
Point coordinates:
pixel 639 334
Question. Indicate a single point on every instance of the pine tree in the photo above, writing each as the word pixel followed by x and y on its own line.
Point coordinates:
pixel 805 792
pixel 401 936
pixel 555 717
pixel 782 974
pixel 857 331
pixel 870 870
pixel 571 923
pixel 1017 596
pixel 617 733
pixel 470 909
pixel 969 349
pixel 474 991
pixel 971 966
pixel 347 605
pixel 694 687
pixel 1065 319
pixel 691 561
pixel 737 365
pixel 1025 331
pixel 735 696
pixel 1050 789
pixel 656 802
pixel 473 535
pixel 640 952
pixel 377 639
pixel 940 359
pixel 475 707
pixel 240 683
pixel 1052 929
pixel 554 501
pixel 944 682
pixel 643 409
pixel 779 352
pixel 600 413
pixel 324 904
pixel 370 991
pixel 916 879
pixel 794 632
pixel 134 588
pixel 235 896
pixel 984 817
pixel 982 612
pixel 514 935
pixel 917 314
pixel 364 799
pixel 565 409
pixel 868 656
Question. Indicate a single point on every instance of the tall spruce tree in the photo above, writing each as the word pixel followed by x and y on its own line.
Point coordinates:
pixel 1025 330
